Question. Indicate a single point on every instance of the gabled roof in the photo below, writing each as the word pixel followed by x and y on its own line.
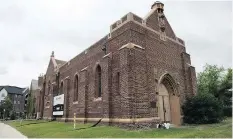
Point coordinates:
pixel 13 89
pixel 56 63
pixel 1 87
pixel 60 62
pixel 25 91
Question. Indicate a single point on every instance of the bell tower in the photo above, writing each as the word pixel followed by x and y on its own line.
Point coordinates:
pixel 159 6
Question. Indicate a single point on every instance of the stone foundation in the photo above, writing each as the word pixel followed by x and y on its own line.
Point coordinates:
pixel 140 123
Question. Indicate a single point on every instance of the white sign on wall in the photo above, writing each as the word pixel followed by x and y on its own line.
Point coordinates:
pixel 58 105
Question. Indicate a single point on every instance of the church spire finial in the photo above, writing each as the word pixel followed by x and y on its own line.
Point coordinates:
pixel 52 55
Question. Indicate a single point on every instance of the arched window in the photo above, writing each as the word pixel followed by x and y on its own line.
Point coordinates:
pixel 61 88
pixel 98 82
pixel 53 88
pixel 118 82
pixel 49 88
pixel 76 88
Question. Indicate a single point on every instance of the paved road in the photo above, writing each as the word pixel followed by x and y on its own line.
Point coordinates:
pixel 7 131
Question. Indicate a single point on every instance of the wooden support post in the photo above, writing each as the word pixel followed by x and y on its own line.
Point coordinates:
pixel 74 120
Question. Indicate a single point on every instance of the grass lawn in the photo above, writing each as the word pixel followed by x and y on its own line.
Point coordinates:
pixel 45 129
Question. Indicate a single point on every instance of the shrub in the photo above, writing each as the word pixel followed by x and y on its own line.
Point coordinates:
pixel 227 110
pixel 13 116
pixel 202 109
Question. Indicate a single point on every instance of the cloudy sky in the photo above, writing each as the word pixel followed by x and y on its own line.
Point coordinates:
pixel 31 30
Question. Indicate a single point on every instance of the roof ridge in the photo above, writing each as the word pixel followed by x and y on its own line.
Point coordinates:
pixel 15 86
pixel 60 60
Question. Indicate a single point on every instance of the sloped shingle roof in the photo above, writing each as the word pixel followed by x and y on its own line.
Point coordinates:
pixel 13 89
pixel 1 87
pixel 60 62
pixel 25 91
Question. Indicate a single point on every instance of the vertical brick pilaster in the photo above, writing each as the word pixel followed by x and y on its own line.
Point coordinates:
pixel 193 80
pixel 125 110
pixel 185 63
pixel 107 85
pixel 66 98
pixel 134 95
pixel 51 102
pixel 189 76
pixel 83 95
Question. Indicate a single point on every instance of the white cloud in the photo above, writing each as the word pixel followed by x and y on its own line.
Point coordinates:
pixel 30 30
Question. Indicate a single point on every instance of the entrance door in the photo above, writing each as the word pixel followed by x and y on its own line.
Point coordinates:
pixel 175 109
pixel 164 104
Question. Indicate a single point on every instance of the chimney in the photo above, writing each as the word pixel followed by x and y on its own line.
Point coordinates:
pixel 40 81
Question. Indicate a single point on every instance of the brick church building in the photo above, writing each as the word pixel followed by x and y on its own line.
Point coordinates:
pixel 138 74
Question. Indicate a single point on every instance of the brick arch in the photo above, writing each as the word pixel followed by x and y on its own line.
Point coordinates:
pixel 95 66
pixel 169 81
pixel 170 103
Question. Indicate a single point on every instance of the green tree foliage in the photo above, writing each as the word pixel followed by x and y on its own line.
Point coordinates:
pixel 217 81
pixel 214 98
pixel 225 93
pixel 210 79
pixel 30 105
pixel 7 106
pixel 202 109
pixel 1 112
pixel 12 115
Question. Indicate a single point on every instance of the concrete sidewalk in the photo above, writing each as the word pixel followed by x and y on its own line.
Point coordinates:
pixel 7 131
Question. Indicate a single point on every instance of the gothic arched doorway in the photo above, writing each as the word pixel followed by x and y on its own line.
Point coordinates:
pixel 168 100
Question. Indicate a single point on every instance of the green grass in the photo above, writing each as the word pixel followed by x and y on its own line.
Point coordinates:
pixel 45 129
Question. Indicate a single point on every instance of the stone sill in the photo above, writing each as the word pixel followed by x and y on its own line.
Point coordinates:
pixel 98 99
pixel 76 102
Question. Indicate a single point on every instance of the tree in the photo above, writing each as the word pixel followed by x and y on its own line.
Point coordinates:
pixel 225 93
pixel 209 80
pixel 226 85
pixel 7 106
pixel 31 104
pixel 218 82
pixel 1 111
